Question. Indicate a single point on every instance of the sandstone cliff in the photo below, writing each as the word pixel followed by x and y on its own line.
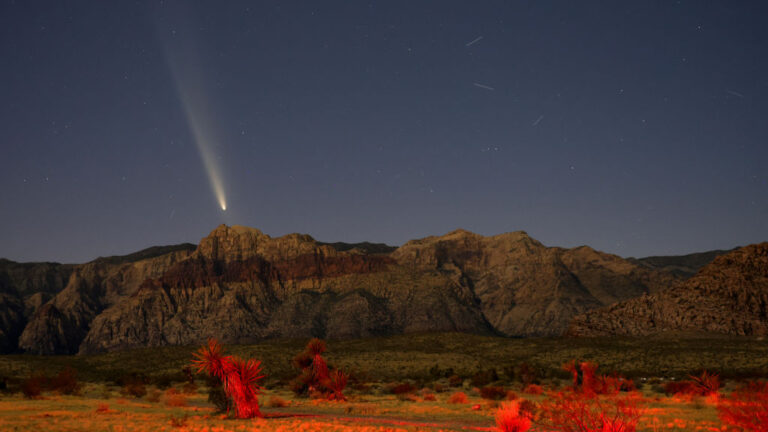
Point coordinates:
pixel 60 324
pixel 729 295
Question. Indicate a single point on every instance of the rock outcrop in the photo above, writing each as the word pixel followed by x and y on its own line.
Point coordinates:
pixel 60 325
pixel 729 296
pixel 24 287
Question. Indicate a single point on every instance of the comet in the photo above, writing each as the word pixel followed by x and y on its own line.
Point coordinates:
pixel 181 53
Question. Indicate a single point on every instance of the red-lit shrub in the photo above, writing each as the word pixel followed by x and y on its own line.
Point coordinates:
pixel 577 412
pixel 702 385
pixel 337 381
pixel 587 382
pixel 533 389
pixel 705 384
pixel 402 388
pixel 239 377
pixel 493 393
pixel 428 397
pixel 746 409
pixel 33 386
pixel 65 382
pixel 102 408
pixel 458 398
pixel 314 378
pixel 509 418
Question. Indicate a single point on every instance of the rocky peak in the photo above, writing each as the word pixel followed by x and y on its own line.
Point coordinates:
pixel 240 243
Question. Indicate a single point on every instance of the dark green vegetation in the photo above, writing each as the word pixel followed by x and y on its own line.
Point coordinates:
pixel 429 357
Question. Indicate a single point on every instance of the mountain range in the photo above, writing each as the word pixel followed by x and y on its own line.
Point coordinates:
pixel 241 286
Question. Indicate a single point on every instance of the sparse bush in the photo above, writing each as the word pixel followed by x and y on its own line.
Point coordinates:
pixel 32 387
pixel 510 396
pixel 509 418
pixel 528 374
pixel 102 408
pixel 428 396
pixel 65 382
pixel 746 409
pixel 533 389
pixel 135 388
pixel 458 398
pixel 484 377
pixel 705 384
pixel 402 388
pixel 493 393
pixel 455 381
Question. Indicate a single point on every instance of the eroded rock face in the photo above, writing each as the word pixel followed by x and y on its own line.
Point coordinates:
pixel 24 288
pixel 525 288
pixel 294 287
pixel 59 326
pixel 241 285
pixel 729 295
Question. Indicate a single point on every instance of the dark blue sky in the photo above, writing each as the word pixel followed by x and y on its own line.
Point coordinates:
pixel 638 128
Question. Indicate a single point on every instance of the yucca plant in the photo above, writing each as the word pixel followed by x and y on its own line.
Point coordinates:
pixel 239 377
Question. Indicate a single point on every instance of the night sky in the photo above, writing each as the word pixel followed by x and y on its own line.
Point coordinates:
pixel 638 128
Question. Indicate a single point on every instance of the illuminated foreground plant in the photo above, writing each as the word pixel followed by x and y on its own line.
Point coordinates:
pixel 576 412
pixel 315 378
pixel 746 409
pixel 509 418
pixel 239 377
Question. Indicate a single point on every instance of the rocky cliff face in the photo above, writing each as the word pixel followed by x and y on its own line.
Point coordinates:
pixel 61 323
pixel 24 287
pixel 525 288
pixel 242 285
pixel 729 295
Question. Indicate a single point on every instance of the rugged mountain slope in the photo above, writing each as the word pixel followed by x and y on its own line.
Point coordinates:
pixel 242 285
pixel 525 288
pixel 24 287
pixel 681 265
pixel 60 324
pixel 730 295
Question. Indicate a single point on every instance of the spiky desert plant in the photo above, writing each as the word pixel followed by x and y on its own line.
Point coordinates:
pixel 242 377
pixel 705 384
pixel 314 369
pixel 239 377
pixel 337 382
pixel 210 359
pixel 509 418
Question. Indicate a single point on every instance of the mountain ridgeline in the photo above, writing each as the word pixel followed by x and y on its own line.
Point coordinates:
pixel 241 286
